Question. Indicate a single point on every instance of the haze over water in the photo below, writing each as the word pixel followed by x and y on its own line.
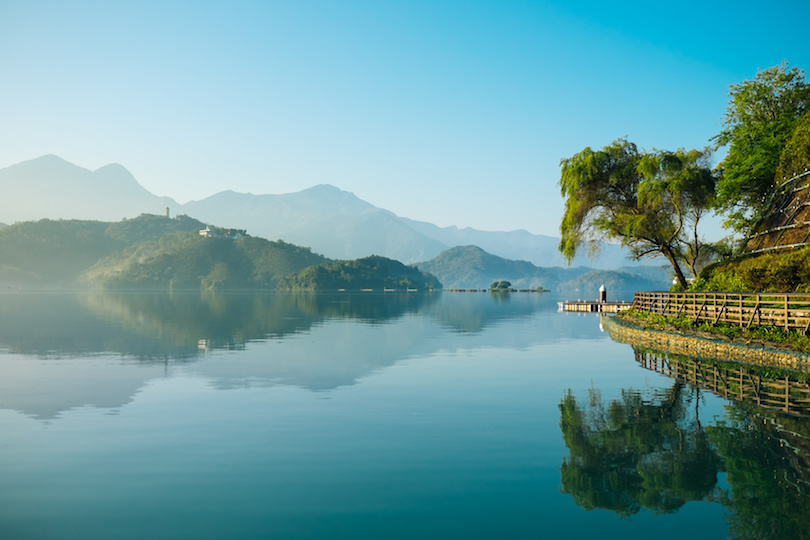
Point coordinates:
pixel 463 415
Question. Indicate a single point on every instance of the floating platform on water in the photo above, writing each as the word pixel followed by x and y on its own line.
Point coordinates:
pixel 594 306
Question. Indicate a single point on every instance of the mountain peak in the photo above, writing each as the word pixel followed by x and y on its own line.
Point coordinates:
pixel 48 158
pixel 117 174
pixel 51 187
pixel 47 164
pixel 324 188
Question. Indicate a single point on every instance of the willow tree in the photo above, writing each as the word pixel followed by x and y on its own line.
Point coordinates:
pixel 650 202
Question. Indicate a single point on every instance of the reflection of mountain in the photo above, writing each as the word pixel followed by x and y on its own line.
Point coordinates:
pixel 99 349
pixel 157 326
pixel 474 311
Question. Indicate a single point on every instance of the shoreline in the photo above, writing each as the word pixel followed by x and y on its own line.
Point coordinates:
pixel 705 346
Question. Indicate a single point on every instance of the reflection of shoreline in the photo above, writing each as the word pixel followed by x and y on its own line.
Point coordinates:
pixel 117 342
pixel 705 348
pixel 652 451
pixel 777 393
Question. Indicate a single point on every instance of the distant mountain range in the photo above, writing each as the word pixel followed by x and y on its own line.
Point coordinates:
pixel 332 222
pixel 470 267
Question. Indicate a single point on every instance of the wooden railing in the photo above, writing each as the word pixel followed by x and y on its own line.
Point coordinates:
pixel 784 393
pixel 787 311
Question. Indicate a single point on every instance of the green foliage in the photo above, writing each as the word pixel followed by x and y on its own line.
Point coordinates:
pixel 468 267
pixel 56 252
pixel 52 252
pixel 636 452
pixel 773 272
pixel 795 158
pixel 148 252
pixel 768 496
pixel 500 286
pixel 650 201
pixel 368 273
pixel 186 260
pixel 148 227
pixel 760 118
pixel 761 335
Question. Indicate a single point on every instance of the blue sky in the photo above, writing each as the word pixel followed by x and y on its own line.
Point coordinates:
pixel 457 113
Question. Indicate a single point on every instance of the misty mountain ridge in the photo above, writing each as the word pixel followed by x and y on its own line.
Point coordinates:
pixel 470 267
pixel 50 187
pixel 330 221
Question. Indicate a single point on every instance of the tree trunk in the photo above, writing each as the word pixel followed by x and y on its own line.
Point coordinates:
pixel 675 266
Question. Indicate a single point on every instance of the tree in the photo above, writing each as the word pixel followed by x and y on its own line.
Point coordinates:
pixel 760 118
pixel 684 181
pixel 651 202
pixel 795 158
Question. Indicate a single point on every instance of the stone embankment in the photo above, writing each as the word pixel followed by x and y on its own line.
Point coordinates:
pixel 705 347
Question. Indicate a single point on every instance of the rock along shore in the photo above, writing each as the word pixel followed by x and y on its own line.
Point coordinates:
pixel 704 347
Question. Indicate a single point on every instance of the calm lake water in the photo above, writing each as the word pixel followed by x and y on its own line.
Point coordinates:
pixel 451 415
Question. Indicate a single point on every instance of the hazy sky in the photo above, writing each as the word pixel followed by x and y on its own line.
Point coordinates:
pixel 457 113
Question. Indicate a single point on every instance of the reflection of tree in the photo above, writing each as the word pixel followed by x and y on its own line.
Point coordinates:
pixel 766 454
pixel 766 462
pixel 634 453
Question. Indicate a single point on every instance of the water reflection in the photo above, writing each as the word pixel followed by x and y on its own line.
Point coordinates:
pixel 100 349
pixel 765 458
pixel 653 450
pixel 183 325
pixel 637 451
pixel 177 325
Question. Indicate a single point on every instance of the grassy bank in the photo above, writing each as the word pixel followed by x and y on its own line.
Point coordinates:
pixel 758 336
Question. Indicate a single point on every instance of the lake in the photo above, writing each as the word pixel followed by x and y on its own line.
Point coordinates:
pixel 443 415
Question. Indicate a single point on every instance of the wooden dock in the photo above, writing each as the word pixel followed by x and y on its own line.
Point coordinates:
pixel 594 306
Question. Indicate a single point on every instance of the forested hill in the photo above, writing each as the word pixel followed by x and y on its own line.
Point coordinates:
pixel 56 252
pixel 188 261
pixel 373 272
pixel 148 252
pixel 468 267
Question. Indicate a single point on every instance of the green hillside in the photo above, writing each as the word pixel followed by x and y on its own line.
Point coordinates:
pixel 188 261
pixel 769 272
pixel 373 272
pixel 468 267
pixel 151 227
pixel 52 253
pixel 152 252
